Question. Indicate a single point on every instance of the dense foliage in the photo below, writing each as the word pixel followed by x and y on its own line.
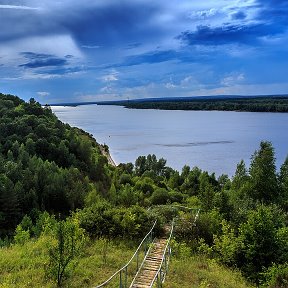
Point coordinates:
pixel 259 104
pixel 46 165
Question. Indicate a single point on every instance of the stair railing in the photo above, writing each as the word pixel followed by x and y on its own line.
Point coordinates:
pixel 123 272
pixel 160 275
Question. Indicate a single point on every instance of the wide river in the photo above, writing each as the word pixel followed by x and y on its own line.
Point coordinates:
pixel 214 141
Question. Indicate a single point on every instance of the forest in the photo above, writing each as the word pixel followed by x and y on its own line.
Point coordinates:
pixel 59 197
pixel 245 104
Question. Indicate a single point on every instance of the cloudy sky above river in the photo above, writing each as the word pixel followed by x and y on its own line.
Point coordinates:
pixel 67 50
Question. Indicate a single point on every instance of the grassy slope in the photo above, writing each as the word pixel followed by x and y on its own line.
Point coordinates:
pixel 24 266
pixel 198 271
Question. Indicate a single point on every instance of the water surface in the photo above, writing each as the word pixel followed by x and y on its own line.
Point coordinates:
pixel 214 141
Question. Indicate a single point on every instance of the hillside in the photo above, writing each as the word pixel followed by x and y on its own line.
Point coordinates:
pixel 45 165
pixel 24 266
pixel 62 204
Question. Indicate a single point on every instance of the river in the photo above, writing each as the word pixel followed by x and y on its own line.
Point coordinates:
pixel 214 141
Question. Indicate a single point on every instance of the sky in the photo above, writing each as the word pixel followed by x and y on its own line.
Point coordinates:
pixel 70 51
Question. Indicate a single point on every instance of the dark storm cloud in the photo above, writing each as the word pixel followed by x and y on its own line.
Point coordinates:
pixel 19 23
pixel 114 23
pixel 100 23
pixel 275 11
pixel 269 20
pixel 61 71
pixel 133 41
pixel 227 34
pixel 240 15
pixel 273 3
pixel 151 57
pixel 154 57
pixel 133 45
pixel 42 60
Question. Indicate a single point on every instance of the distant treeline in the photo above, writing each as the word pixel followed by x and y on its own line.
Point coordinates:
pixel 257 104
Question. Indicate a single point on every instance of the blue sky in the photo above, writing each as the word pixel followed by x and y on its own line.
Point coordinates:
pixel 67 50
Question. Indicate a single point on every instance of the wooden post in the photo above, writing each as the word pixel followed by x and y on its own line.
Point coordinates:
pixel 137 259
pixel 126 276
pixel 120 284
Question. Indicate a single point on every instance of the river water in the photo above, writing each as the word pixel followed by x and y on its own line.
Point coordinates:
pixel 214 141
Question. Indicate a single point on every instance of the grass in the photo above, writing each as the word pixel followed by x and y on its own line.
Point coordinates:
pixel 25 266
pixel 198 271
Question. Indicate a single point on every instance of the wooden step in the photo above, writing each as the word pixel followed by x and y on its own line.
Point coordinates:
pixel 151 265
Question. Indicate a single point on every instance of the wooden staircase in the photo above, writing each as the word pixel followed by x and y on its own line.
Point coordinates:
pixel 147 272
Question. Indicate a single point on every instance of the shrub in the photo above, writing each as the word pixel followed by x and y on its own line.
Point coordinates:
pixel 160 196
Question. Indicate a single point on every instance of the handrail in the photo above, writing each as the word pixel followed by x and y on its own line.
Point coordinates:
pixel 126 265
pixel 142 264
pixel 159 271
pixel 185 207
pixel 172 206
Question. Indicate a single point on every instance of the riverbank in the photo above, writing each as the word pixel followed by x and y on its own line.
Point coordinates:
pixel 105 152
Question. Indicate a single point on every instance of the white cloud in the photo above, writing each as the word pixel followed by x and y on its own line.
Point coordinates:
pixel 245 90
pixel 156 90
pixel 107 89
pixel 233 79
pixel 21 7
pixel 43 93
pixel 189 81
pixel 91 46
pixel 203 14
pixel 111 77
pixel 58 45
pixel 170 85
pixel 95 97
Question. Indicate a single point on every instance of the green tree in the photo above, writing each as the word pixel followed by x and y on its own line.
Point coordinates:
pixel 207 192
pixel 260 242
pixel 159 196
pixel 127 197
pixel 264 185
pixel 191 183
pixel 240 177
pixel 9 206
pixel 227 245
pixel 283 179
pixel 70 239
pixel 140 165
pixel 145 185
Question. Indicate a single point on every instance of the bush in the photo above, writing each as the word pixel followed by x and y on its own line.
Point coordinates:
pixel 21 235
pixel 206 225
pixel 175 196
pixel 125 179
pixel 227 245
pixel 159 197
pixel 276 276
pixel 103 220
pixel 70 240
